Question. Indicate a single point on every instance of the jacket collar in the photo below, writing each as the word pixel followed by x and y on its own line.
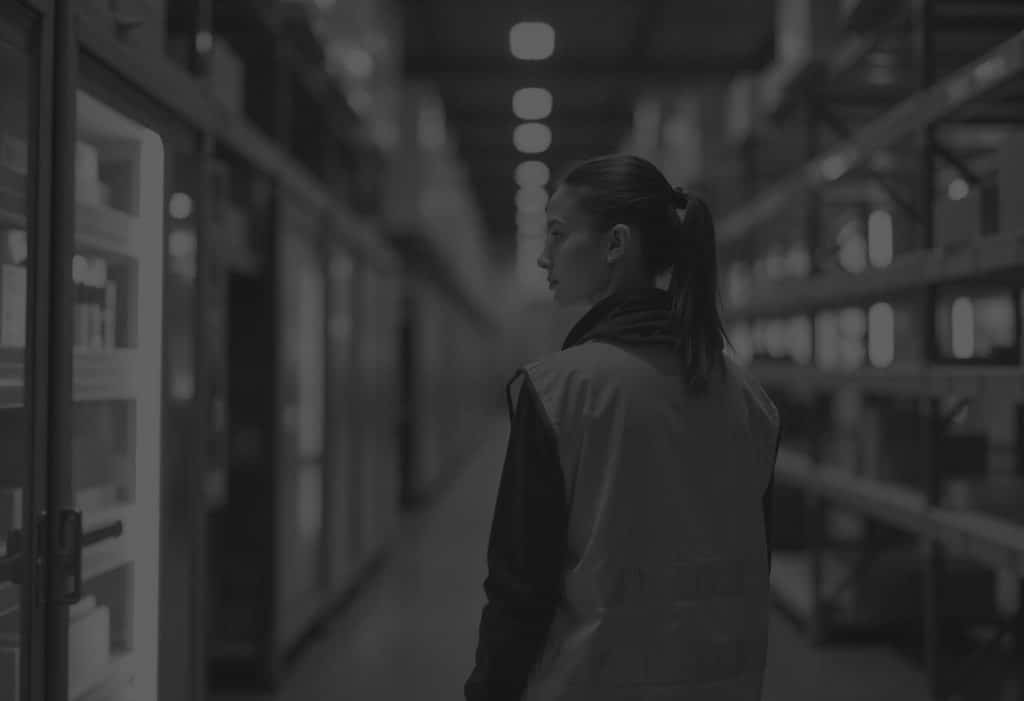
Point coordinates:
pixel 632 317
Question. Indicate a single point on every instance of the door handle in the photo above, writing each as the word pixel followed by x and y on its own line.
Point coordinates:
pixel 70 542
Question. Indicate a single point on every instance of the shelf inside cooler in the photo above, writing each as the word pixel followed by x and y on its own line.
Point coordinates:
pixel 109 230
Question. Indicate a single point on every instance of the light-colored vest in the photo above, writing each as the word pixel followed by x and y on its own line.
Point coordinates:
pixel 666 577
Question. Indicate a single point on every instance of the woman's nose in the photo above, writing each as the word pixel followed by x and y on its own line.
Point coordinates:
pixel 543 262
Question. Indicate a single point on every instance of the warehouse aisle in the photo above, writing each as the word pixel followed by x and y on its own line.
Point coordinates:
pixel 411 634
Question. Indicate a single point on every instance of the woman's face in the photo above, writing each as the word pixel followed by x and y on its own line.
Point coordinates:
pixel 574 256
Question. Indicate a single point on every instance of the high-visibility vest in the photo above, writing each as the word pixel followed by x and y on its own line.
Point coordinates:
pixel 665 583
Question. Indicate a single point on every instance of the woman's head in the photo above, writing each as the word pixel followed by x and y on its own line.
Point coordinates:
pixel 614 223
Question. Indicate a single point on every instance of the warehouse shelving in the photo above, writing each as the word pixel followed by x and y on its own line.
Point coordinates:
pixel 987 539
pixel 982 257
pixel 947 102
pixel 997 68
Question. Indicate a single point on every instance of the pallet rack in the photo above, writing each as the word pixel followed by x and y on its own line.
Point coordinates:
pixel 914 97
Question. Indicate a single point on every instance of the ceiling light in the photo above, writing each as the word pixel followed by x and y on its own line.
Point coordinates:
pixel 532 137
pixel 531 200
pixel 532 41
pixel 532 103
pixel 532 174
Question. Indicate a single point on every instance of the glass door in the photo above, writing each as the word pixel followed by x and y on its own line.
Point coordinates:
pixel 17 172
pixel 116 402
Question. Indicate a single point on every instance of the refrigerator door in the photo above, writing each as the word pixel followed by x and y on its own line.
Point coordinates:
pixel 118 272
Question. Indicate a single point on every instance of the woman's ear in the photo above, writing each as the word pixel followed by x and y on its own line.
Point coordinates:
pixel 618 241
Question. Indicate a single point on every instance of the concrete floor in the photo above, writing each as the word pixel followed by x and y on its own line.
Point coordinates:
pixel 411 633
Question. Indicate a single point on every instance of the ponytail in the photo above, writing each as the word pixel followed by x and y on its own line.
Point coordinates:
pixel 627 189
pixel 694 291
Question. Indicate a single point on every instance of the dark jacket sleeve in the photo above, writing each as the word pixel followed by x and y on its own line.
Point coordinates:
pixel 524 556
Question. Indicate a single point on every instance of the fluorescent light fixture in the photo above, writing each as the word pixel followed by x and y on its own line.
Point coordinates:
pixel 532 41
pixel 532 137
pixel 532 174
pixel 532 103
pixel 531 200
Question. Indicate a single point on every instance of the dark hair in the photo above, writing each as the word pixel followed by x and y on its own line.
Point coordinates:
pixel 625 189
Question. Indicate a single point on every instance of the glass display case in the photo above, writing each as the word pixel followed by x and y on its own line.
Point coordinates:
pixel 16 92
pixel 117 400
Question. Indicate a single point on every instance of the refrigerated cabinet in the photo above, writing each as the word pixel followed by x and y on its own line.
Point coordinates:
pixel 117 393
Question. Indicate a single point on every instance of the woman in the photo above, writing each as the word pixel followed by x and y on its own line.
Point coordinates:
pixel 629 558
